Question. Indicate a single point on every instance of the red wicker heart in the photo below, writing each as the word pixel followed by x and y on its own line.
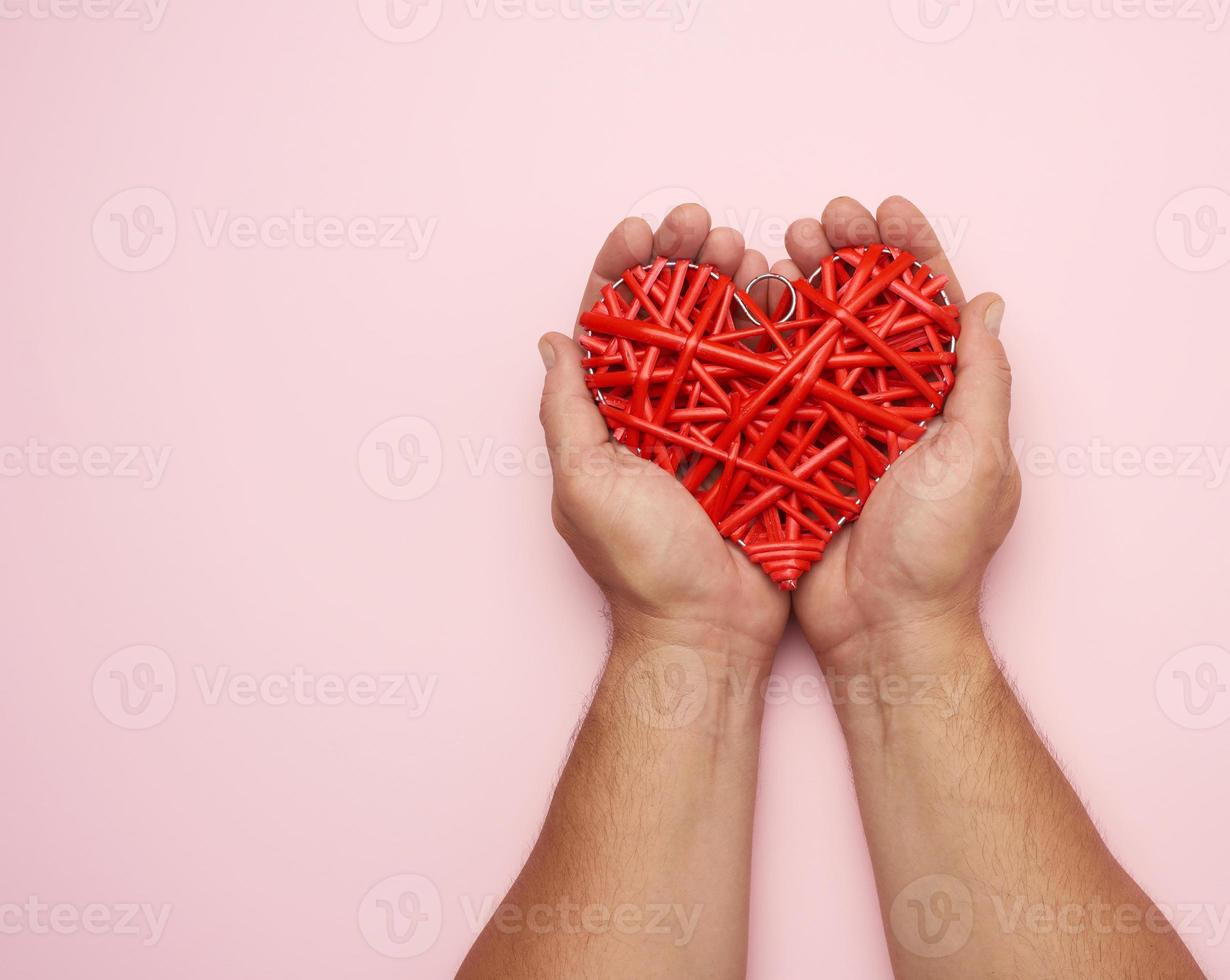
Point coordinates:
pixel 780 426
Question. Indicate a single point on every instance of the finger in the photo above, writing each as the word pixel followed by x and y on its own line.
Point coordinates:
pixel 824 579
pixel 904 226
pixel 723 249
pixel 629 244
pixel 683 232
pixel 983 393
pixel 846 222
pixel 786 268
pixel 807 244
pixel 754 264
pixel 788 271
pixel 570 418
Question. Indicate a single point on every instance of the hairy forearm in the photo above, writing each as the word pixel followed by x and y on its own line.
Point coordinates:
pixel 642 865
pixel 986 862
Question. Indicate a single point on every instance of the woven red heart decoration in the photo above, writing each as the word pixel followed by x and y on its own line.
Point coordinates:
pixel 780 426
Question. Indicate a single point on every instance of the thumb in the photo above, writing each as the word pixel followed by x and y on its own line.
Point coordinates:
pixel 983 393
pixel 570 418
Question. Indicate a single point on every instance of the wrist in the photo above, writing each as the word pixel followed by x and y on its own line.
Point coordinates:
pixel 681 676
pixel 907 677
pixel 636 629
pixel 915 636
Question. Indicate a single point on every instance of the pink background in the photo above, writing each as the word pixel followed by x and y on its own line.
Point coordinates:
pixel 1058 154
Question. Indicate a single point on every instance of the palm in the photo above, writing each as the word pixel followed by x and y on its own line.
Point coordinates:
pixel 639 524
pixel 638 532
pixel 908 542
pixel 932 523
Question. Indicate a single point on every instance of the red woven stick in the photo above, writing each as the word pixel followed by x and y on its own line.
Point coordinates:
pixel 779 428
pixel 757 365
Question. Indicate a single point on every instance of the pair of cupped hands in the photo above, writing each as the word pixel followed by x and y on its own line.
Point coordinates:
pixel 914 560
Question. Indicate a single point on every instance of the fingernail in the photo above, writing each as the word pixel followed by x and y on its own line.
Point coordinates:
pixel 994 317
pixel 547 353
